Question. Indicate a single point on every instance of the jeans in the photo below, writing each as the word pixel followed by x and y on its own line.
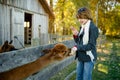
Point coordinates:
pixel 84 70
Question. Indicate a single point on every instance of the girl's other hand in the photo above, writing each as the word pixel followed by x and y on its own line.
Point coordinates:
pixel 74 30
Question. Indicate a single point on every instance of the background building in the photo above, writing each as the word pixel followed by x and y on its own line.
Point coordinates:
pixel 23 20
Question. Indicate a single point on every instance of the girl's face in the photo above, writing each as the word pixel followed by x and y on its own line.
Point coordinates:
pixel 83 21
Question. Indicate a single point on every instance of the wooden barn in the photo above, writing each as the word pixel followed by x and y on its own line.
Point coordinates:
pixel 23 21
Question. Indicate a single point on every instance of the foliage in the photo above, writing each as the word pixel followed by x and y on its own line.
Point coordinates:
pixel 108 16
pixel 113 63
pixel 65 16
pixel 108 12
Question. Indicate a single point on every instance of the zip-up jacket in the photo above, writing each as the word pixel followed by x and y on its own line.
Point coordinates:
pixel 91 46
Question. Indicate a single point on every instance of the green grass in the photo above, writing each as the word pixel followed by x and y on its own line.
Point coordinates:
pixel 106 68
pixel 63 73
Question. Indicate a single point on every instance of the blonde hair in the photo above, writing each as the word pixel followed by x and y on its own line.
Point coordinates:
pixel 84 13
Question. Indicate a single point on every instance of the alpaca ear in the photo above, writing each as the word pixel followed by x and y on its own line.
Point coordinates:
pixel 6 42
pixel 11 42
pixel 53 51
pixel 46 51
pixel 5 45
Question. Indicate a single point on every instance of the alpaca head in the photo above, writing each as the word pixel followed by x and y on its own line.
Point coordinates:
pixel 59 51
pixel 7 46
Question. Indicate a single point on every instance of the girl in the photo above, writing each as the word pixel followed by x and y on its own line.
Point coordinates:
pixel 85 44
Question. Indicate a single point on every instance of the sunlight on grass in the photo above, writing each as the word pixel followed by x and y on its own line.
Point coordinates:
pixel 103 68
pixel 102 58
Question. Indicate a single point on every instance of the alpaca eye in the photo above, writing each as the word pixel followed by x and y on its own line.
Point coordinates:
pixel 65 51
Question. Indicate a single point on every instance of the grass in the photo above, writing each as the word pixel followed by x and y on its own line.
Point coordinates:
pixel 106 68
pixel 63 73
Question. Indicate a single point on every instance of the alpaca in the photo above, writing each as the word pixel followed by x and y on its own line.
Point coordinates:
pixel 58 52
pixel 7 46
pixel 46 51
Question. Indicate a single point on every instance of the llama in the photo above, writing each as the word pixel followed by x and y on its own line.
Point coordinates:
pixel 7 46
pixel 58 52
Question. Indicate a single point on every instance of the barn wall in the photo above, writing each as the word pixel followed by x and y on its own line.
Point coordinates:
pixel 40 30
pixel 31 5
pixel 40 25
pixel 12 20
pixel 4 23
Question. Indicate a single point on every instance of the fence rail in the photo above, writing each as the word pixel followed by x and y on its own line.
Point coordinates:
pixel 50 39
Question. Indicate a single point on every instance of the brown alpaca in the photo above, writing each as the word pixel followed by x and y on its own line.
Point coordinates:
pixel 57 53
pixel 46 51
pixel 7 47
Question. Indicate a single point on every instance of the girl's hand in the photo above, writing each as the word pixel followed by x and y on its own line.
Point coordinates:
pixel 73 50
pixel 74 30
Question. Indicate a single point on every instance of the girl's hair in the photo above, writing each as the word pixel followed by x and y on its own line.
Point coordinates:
pixel 84 13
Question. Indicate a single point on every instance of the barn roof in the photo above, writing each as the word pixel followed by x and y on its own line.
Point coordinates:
pixel 47 8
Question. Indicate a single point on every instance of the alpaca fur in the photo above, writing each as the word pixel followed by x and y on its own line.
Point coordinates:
pixel 58 52
pixel 7 46
pixel 46 51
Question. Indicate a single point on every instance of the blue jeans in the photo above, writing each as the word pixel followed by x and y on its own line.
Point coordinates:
pixel 84 70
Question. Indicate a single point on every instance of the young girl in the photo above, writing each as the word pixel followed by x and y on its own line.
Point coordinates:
pixel 85 44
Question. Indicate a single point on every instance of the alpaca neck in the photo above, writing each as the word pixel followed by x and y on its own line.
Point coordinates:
pixel 26 70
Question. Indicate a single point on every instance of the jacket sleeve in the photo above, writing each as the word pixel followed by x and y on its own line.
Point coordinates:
pixel 76 39
pixel 93 35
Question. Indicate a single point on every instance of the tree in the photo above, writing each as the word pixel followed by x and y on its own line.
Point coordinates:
pixel 64 13
pixel 51 28
pixel 108 15
pixel 105 14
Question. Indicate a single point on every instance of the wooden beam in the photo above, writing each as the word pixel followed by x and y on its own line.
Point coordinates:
pixel 47 8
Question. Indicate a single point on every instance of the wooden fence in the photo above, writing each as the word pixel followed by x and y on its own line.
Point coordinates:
pixel 12 59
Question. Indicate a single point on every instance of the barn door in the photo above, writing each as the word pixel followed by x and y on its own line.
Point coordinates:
pixel 18 27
